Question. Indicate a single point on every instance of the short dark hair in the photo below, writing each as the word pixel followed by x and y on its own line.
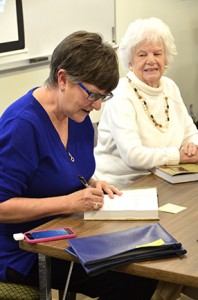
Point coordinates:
pixel 86 58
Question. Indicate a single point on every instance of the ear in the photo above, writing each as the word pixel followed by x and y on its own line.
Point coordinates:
pixel 130 67
pixel 62 78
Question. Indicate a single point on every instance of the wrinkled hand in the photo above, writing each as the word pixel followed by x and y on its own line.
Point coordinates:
pixel 85 200
pixel 190 149
pixel 105 187
pixel 189 153
pixel 91 198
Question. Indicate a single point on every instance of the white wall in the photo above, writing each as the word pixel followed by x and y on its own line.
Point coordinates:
pixel 182 18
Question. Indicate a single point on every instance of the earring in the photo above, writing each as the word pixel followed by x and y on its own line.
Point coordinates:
pixel 130 68
pixel 62 89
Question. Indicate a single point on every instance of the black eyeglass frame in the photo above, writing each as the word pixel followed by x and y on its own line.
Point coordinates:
pixel 92 96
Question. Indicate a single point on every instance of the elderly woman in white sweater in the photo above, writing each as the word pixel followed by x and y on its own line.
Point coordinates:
pixel 146 123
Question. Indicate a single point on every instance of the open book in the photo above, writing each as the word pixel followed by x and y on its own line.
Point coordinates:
pixel 136 204
pixel 177 173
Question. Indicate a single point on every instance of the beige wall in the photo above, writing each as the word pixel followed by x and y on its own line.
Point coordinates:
pixel 15 84
pixel 180 15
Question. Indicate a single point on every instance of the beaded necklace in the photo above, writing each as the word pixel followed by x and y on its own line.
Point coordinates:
pixel 146 109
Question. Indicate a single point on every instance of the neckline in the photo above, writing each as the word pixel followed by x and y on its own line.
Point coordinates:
pixel 161 126
pixel 145 88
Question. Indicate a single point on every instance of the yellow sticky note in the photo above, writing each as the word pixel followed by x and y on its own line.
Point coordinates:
pixel 171 208
pixel 152 244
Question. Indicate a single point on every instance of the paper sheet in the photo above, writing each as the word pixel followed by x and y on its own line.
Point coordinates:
pixel 171 208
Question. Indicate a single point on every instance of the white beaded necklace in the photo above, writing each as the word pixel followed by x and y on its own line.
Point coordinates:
pixel 161 127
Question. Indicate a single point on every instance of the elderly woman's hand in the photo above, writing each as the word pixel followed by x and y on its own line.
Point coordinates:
pixel 190 149
pixel 107 188
pixel 189 153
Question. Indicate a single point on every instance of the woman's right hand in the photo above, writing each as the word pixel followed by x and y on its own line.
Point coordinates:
pixel 84 200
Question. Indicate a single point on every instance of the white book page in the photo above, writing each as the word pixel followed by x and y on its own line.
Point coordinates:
pixel 140 199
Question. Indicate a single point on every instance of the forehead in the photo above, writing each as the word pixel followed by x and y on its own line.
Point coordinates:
pixel 149 46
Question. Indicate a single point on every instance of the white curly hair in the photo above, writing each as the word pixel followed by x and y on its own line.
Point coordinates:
pixel 150 30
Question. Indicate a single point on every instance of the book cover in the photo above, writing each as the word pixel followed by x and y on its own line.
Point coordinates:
pixel 136 204
pixel 141 243
pixel 177 173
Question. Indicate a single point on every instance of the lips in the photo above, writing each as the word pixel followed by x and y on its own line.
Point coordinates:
pixel 87 111
pixel 151 70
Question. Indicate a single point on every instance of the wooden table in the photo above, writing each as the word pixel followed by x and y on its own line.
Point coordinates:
pixel 183 226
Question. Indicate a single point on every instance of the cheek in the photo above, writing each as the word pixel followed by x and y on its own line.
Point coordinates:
pixel 162 63
pixel 76 100
pixel 140 64
pixel 139 69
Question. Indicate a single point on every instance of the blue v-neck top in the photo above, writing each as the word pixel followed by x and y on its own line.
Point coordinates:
pixel 35 164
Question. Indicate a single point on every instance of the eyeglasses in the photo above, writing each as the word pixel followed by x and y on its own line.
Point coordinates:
pixel 95 96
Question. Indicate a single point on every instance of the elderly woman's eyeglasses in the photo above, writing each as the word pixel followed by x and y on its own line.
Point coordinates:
pixel 95 96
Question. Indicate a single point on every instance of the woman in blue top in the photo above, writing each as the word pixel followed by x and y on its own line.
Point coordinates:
pixel 46 140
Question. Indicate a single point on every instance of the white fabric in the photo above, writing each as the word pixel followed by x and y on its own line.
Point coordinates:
pixel 129 144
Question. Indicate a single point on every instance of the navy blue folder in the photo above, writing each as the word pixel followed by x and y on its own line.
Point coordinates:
pixel 102 252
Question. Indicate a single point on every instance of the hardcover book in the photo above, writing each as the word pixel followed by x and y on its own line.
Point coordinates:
pixel 177 173
pixel 136 204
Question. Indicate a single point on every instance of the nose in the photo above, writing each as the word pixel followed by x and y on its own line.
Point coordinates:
pixel 97 104
pixel 150 58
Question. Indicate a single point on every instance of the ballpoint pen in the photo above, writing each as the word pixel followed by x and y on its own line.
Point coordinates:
pixel 84 182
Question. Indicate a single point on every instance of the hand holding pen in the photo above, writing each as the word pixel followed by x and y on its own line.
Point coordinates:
pixel 85 183
pixel 104 186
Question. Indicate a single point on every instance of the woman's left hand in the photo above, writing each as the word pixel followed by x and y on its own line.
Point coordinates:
pixel 190 149
pixel 110 190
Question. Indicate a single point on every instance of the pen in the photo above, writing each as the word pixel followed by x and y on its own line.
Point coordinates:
pixel 84 182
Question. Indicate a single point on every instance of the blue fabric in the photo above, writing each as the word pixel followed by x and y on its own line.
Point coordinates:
pixel 35 163
pixel 101 252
